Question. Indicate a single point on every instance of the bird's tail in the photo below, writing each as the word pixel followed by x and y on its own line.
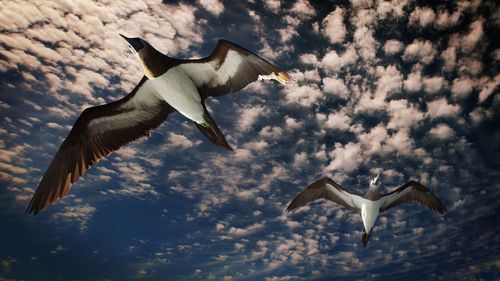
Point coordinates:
pixel 366 237
pixel 211 131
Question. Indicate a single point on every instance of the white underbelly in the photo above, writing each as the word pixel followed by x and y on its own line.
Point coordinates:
pixel 369 214
pixel 178 90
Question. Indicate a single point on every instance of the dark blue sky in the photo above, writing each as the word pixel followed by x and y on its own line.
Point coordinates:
pixel 409 89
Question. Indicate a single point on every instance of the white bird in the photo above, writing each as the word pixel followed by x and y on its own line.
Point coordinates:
pixel 371 204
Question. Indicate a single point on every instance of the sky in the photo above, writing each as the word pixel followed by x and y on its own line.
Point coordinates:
pixel 405 88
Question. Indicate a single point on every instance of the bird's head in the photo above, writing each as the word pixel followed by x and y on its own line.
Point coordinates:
pixel 149 57
pixel 375 182
pixel 136 44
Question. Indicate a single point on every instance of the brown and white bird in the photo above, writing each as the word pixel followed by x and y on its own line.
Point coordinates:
pixel 168 85
pixel 371 204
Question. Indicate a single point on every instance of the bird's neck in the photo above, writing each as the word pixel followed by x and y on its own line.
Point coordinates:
pixel 154 63
pixel 372 193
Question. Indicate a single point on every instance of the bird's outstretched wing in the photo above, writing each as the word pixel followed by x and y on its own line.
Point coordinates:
pixel 96 133
pixel 328 189
pixel 412 191
pixel 230 68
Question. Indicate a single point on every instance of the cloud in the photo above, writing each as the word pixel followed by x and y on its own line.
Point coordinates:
pixel 346 158
pixel 403 114
pixel 238 232
pixel 303 9
pixel 308 59
pixel 433 85
pixel 471 39
pixel 292 123
pixel 422 16
pixel 215 7
pixel 488 86
pixel 273 5
pixel 392 47
pixel 81 213
pixel 333 26
pixel 422 51
pixel 336 120
pixel 271 132
pixel 441 108
pixel 389 82
pixel 332 61
pixel 300 160
pixel 446 20
pixel 442 131
pixel 249 115
pixel 462 87
pixel 364 21
pixel 304 95
pixel 179 141
pixel 335 86
pixel 413 82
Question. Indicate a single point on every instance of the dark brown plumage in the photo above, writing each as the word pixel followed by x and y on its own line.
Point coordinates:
pixel 413 192
pixel 87 143
pixel 318 190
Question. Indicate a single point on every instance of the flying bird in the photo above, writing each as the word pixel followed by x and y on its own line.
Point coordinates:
pixel 168 85
pixel 371 204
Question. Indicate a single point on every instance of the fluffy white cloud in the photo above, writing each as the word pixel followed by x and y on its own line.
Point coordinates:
pixel 346 158
pixel 335 86
pixel 403 114
pixel 445 20
pixel 462 87
pixel 413 82
pixel 420 50
pixel 400 142
pixel 304 95
pixel 441 107
pixel 303 9
pixel 273 5
pixel 309 58
pixel 422 16
pixel 332 61
pixel 336 120
pixel 392 47
pixel 215 7
pixel 442 131
pixel 238 232
pixel 249 115
pixel 449 57
pixel 292 123
pixel 471 39
pixel 333 26
pixel 389 82
pixel 300 160
pixel 179 141
pixel 488 86
pixel 364 39
pixel 434 84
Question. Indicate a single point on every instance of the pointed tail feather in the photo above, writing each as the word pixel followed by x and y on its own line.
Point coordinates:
pixel 366 237
pixel 212 132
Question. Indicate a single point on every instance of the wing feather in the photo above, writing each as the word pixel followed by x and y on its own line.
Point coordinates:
pixel 328 189
pixel 96 133
pixel 230 68
pixel 412 191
